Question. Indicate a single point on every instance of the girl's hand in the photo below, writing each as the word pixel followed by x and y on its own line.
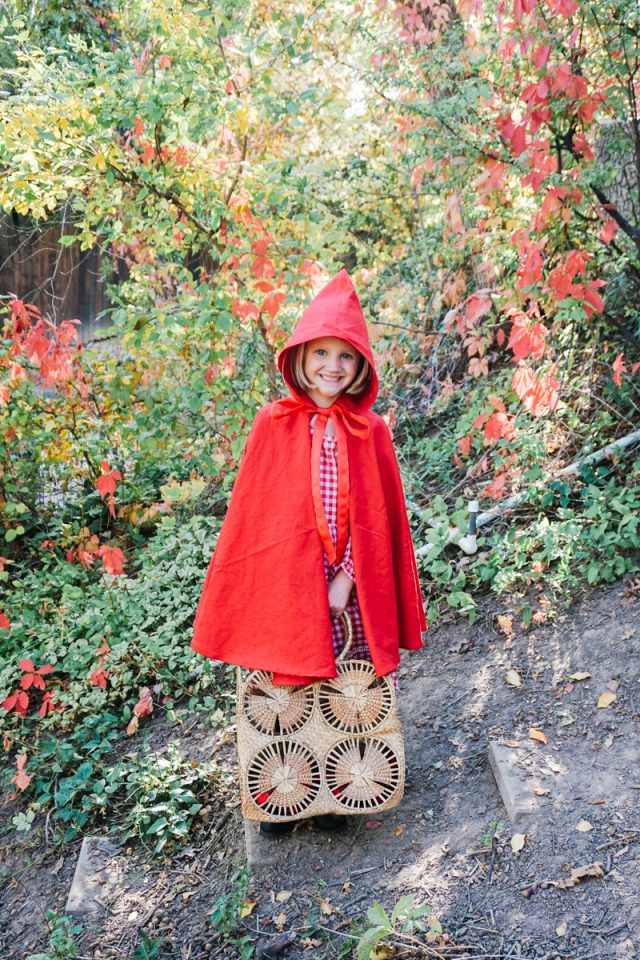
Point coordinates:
pixel 339 593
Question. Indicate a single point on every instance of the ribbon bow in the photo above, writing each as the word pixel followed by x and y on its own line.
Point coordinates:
pixel 343 419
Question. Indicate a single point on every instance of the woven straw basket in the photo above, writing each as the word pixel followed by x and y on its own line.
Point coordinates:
pixel 334 746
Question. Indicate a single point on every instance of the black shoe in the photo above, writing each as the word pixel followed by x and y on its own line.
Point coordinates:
pixel 330 821
pixel 275 829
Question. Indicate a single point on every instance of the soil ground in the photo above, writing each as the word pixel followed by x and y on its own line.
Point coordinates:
pixel 449 844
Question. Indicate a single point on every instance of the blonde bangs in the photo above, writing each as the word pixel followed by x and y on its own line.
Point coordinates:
pixel 297 368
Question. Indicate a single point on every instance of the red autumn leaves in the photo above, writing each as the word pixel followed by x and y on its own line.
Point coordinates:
pixel 54 352
pixel 143 708
pixel 21 778
pixel 558 87
pixel 619 368
pixel 561 283
pixel 89 546
pixel 51 349
pixel 106 484
pixel 527 337
pixel 496 425
pixel 112 557
pixel 99 676
pixel 526 340
pixel 31 678
pixel 265 282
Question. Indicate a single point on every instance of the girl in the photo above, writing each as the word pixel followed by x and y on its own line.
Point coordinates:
pixel 317 522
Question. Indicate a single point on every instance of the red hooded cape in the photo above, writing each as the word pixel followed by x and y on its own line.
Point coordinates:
pixel 264 602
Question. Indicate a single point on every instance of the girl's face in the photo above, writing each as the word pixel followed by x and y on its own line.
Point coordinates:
pixel 330 365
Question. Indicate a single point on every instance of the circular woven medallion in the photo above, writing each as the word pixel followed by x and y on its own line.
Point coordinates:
pixel 275 710
pixel 283 778
pixel 362 774
pixel 356 701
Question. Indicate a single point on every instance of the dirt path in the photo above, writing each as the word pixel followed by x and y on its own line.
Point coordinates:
pixel 449 843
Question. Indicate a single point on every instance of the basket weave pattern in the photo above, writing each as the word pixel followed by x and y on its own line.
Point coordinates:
pixel 334 746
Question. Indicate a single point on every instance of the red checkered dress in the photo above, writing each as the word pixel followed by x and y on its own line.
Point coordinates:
pixel 329 493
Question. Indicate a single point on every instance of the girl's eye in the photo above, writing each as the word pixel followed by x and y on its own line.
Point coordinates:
pixel 320 351
pixel 348 356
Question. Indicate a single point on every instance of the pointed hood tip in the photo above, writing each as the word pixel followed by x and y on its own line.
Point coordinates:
pixel 334 312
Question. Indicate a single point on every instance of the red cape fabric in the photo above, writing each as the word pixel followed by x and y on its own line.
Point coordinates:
pixel 264 602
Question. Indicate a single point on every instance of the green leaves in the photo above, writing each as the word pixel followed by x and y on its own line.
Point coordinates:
pixel 405 925
pixel 159 798
pixel 376 915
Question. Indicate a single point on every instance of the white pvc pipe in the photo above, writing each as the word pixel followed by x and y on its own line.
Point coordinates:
pixel 490 515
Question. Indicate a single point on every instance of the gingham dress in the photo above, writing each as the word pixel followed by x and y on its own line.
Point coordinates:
pixel 329 492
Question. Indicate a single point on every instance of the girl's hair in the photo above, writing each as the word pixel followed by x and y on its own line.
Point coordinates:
pixel 300 380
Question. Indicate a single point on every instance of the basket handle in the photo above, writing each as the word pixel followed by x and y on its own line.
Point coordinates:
pixel 348 627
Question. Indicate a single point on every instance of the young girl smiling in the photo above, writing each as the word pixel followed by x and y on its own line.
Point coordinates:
pixel 316 523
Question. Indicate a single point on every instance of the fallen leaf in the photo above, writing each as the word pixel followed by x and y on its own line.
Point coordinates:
pixel 279 920
pixel 541 791
pixel 282 896
pixel 347 886
pixel 607 698
pixel 382 953
pixel 580 675
pixel 326 908
pixel 505 623
pixel 518 841
pixel 400 831
pixel 535 734
pixel 561 929
pixel 512 677
pixel 308 942
pixel 58 867
pixel 584 826
pixel 247 908
pixel 372 824
pixel 580 873
pixel 133 725
pixel 625 950
pixel 554 766
pixel 576 876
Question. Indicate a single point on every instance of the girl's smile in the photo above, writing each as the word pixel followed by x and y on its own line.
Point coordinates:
pixel 330 365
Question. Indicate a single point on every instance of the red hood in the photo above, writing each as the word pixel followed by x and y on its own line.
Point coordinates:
pixel 334 312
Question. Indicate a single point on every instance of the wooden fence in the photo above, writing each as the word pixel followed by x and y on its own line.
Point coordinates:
pixel 65 283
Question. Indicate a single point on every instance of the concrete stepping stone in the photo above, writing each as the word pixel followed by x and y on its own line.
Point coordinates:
pixel 514 784
pixel 97 871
